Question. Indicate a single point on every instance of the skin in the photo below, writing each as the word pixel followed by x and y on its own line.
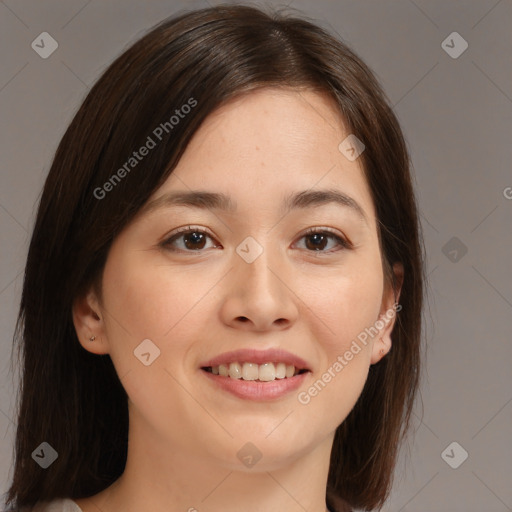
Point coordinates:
pixel 184 432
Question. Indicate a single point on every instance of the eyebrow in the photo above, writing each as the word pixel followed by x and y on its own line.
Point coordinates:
pixel 218 201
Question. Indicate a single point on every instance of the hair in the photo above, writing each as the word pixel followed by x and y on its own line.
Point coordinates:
pixel 73 399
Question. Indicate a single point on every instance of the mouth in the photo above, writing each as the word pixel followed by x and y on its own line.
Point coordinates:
pixel 250 371
pixel 259 375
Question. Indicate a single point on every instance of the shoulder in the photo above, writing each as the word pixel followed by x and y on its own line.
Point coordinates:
pixel 57 505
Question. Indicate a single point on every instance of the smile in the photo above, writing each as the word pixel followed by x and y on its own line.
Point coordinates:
pixel 255 374
pixel 265 372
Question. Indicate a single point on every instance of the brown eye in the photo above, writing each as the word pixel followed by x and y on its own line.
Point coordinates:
pixel 318 239
pixel 193 240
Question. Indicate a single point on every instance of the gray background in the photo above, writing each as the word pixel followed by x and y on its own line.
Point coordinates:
pixel 456 114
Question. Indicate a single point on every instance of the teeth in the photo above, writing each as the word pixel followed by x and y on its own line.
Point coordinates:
pixel 267 372
pixel 235 371
pixel 251 371
pixel 280 371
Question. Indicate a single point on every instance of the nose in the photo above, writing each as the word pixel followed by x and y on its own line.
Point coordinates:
pixel 259 296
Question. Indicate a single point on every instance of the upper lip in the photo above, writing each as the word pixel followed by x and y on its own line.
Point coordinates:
pixel 250 355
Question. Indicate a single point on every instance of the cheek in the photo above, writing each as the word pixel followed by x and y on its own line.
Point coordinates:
pixel 148 300
pixel 351 309
pixel 348 305
pixel 349 312
pixel 145 300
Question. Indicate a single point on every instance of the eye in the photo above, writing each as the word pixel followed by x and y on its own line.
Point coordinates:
pixel 194 240
pixel 318 237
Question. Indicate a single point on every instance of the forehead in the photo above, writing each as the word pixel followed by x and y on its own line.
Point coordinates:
pixel 292 123
pixel 269 143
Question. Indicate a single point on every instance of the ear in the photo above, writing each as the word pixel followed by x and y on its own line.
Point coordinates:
pixel 388 312
pixel 88 321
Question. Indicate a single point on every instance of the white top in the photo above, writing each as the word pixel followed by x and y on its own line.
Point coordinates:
pixel 59 505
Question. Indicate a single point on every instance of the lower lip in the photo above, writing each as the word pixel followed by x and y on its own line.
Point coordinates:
pixel 257 390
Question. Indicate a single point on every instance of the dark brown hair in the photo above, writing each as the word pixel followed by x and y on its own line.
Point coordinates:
pixel 73 399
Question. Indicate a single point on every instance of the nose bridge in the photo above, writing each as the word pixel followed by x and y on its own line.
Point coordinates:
pixel 260 282
pixel 259 262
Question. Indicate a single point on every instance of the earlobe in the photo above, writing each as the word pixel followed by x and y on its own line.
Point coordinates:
pixel 380 349
pixel 389 310
pixel 88 323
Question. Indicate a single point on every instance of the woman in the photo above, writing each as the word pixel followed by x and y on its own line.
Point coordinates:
pixel 222 299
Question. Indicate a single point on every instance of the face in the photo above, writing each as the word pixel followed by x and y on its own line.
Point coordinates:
pixel 252 279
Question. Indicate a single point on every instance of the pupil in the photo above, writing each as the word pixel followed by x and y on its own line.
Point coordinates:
pixel 317 237
pixel 195 236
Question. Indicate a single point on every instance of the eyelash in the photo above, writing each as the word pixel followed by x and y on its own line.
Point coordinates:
pixel 345 244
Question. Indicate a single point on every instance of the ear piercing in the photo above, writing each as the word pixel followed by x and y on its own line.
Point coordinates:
pixel 92 338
